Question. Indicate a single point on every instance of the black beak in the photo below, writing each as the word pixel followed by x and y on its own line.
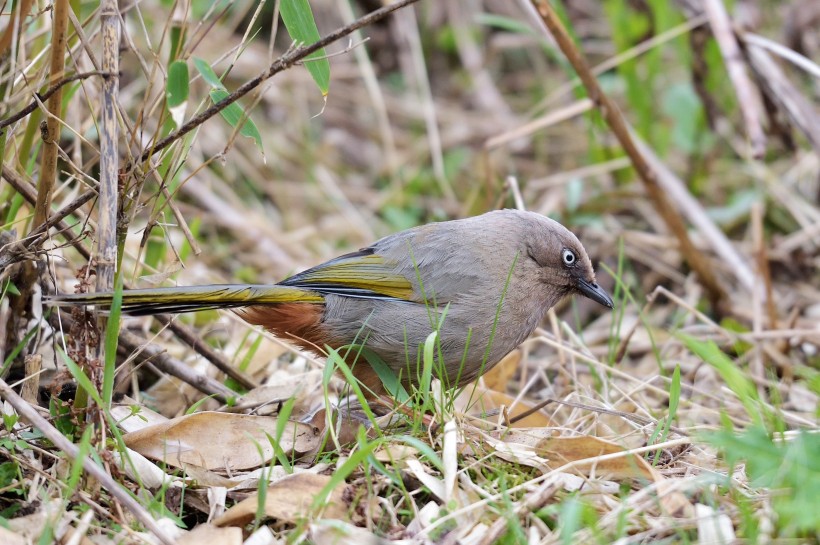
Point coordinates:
pixel 594 292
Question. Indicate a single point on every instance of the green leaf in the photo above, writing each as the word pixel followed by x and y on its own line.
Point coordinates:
pixel 176 88
pixel 208 73
pixel 8 473
pixel 789 469
pixel 9 287
pixel 234 114
pixel 302 29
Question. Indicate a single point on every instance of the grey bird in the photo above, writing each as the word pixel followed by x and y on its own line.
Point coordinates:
pixel 483 283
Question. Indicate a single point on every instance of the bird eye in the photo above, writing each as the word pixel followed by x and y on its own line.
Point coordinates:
pixel 569 257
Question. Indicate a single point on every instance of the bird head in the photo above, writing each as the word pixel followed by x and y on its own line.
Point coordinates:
pixel 557 257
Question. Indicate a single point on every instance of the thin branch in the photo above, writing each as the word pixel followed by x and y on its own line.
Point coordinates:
pixel 281 64
pixel 169 364
pixel 675 188
pixel 800 61
pixel 45 95
pixel 18 250
pixel 27 190
pixel 187 335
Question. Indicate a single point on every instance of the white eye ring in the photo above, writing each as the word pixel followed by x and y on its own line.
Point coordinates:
pixel 569 257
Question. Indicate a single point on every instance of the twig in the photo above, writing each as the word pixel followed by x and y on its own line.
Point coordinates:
pixel 27 190
pixel 552 118
pixel 45 95
pixel 616 122
pixel 761 256
pixel 531 504
pixel 603 410
pixel 165 362
pixel 512 184
pixel 15 252
pixel 756 368
pixel 747 99
pixel 72 452
pixel 282 63
pixel 186 335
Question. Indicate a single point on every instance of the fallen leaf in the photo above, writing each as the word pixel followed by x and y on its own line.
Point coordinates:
pixel 395 453
pixel 214 440
pixel 142 470
pixel 500 375
pixel 484 401
pixel 585 454
pixel 334 532
pixel 304 388
pixel 563 450
pixel 290 499
pixel 208 534
pixel 200 477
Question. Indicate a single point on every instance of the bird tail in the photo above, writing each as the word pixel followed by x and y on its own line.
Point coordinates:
pixel 143 302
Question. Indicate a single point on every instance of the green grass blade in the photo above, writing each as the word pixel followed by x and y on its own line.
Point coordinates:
pixel 735 379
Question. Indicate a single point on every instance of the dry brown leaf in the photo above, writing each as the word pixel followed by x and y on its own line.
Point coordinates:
pixel 563 450
pixel 289 500
pixel 143 470
pixel 220 440
pixel 339 533
pixel 500 375
pixel 395 453
pixel 486 400
pixel 586 452
pixel 208 534
pixel 203 478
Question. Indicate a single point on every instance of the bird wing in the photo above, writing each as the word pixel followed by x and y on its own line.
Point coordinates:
pixel 363 274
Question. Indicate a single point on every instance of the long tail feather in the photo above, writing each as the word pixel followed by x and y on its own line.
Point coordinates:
pixel 143 302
